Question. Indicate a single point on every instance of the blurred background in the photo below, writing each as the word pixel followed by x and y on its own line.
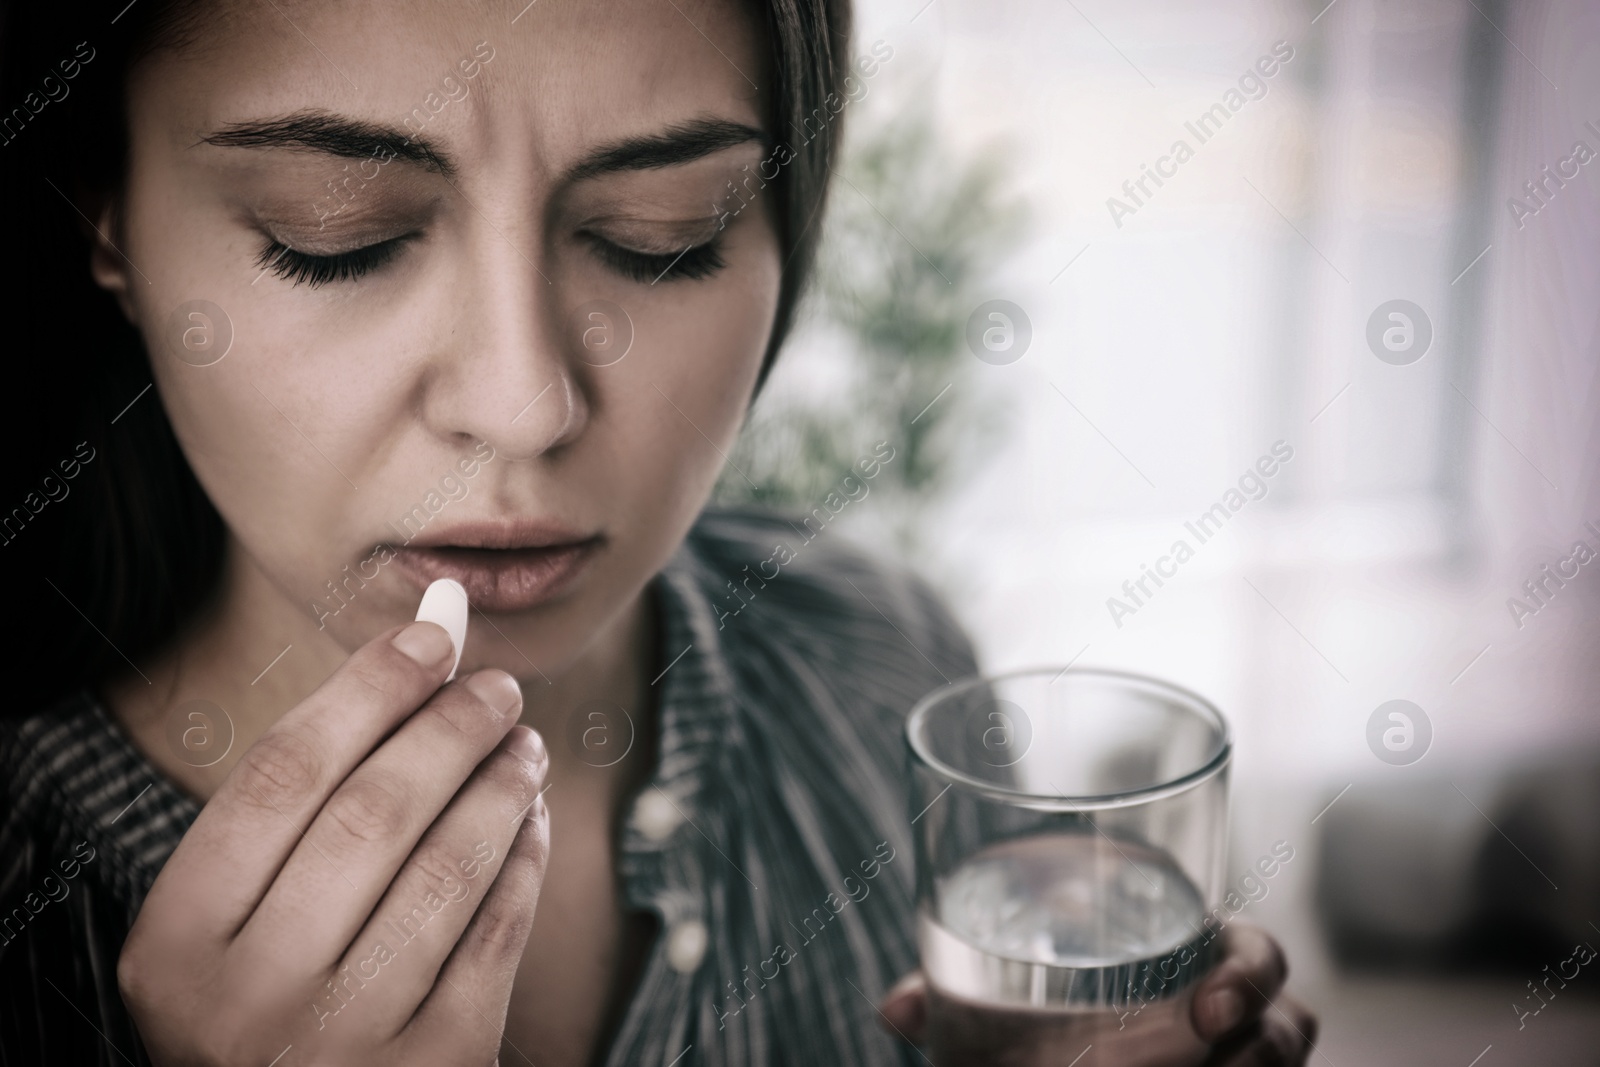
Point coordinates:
pixel 1382 258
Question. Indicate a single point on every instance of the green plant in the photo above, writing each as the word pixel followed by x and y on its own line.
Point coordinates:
pixel 911 237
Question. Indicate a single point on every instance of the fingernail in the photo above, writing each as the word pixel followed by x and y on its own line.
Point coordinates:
pixel 1222 1011
pixel 498 690
pixel 425 642
pixel 527 744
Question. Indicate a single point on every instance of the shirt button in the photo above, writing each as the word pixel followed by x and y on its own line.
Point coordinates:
pixel 656 815
pixel 686 945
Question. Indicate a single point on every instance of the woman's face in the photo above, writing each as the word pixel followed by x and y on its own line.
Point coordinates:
pixel 432 230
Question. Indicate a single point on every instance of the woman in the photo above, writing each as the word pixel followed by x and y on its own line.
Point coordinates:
pixel 479 292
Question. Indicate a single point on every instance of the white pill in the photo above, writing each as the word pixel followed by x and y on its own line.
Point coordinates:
pixel 445 603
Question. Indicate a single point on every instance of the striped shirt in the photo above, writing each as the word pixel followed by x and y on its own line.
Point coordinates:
pixel 781 870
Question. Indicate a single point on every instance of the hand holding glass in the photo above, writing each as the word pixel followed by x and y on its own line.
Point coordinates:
pixel 1070 827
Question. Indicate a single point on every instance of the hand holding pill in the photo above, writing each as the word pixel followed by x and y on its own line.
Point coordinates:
pixel 356 799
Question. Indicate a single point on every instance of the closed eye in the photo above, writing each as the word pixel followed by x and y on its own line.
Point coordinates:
pixel 312 270
pixel 316 270
pixel 693 262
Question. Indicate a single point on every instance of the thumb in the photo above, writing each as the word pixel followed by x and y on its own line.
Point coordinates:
pixel 904 1008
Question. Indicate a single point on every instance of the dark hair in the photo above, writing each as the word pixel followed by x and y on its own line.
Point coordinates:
pixel 110 544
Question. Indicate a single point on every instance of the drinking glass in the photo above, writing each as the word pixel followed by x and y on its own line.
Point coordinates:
pixel 1071 829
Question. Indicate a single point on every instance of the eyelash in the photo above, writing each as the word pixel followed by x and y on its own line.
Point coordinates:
pixel 696 262
pixel 314 271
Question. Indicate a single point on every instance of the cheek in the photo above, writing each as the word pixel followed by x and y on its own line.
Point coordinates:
pixel 279 459
pixel 282 429
pixel 702 352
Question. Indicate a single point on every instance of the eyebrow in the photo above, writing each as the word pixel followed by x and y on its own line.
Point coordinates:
pixel 682 143
pixel 324 132
pixel 355 139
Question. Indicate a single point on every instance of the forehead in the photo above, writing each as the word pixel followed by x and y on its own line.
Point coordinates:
pixel 548 78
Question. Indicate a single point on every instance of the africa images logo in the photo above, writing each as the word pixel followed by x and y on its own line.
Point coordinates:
pixel 1399 732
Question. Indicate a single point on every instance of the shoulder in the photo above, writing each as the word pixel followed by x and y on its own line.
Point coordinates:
pixel 69 780
pixel 824 648
pixel 773 577
pixel 39 753
pixel 65 886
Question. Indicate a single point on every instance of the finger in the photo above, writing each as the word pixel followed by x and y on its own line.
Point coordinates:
pixel 362 836
pixel 228 858
pixel 1251 973
pixel 1283 1037
pixel 474 985
pixel 394 961
pixel 904 1008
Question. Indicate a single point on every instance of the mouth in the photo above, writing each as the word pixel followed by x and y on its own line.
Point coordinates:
pixel 503 567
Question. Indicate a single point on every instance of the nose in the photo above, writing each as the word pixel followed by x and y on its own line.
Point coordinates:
pixel 503 374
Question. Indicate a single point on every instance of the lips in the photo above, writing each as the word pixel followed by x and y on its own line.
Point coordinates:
pixel 504 568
